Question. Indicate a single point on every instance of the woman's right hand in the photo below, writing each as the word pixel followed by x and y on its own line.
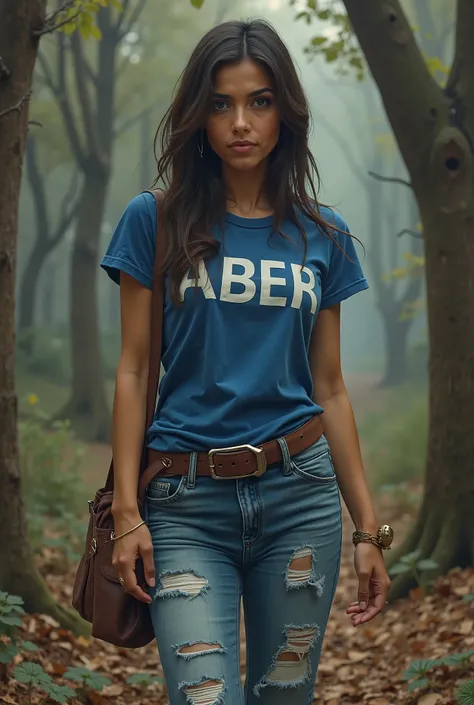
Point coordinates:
pixel 126 552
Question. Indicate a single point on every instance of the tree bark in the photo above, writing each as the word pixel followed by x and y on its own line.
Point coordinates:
pixel 20 18
pixel 434 131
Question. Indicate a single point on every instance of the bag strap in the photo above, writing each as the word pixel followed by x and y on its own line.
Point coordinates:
pixel 156 334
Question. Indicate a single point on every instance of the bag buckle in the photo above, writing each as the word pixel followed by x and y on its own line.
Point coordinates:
pixel 258 452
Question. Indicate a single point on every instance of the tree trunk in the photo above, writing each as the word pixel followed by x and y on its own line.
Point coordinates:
pixel 48 294
pixel 396 337
pixel 434 131
pixel 87 408
pixel 29 294
pixel 19 47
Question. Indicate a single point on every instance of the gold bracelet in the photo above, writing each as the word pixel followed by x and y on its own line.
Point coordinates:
pixel 382 539
pixel 125 533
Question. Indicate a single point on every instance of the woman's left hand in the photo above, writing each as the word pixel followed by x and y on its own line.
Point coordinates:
pixel 373 584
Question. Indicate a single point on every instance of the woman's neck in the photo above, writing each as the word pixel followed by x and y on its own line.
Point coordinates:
pixel 245 195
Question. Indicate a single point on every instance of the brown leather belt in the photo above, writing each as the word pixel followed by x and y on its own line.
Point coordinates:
pixel 235 462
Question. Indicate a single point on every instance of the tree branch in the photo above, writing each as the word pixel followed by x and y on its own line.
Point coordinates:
pixel 390 179
pixel 131 121
pixel 37 186
pixel 121 30
pixel 411 96
pixel 65 105
pixel 17 107
pixel 67 213
pixel 413 233
pixel 49 28
pixel 88 117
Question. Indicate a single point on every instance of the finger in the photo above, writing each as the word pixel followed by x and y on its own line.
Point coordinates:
pixel 373 610
pixel 146 552
pixel 353 609
pixel 131 586
pixel 363 591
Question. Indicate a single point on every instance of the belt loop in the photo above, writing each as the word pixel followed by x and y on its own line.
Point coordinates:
pixel 191 479
pixel 285 453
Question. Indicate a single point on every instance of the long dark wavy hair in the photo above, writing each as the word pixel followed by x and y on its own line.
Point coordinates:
pixel 195 199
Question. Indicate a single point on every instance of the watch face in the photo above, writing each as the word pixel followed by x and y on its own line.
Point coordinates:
pixel 385 535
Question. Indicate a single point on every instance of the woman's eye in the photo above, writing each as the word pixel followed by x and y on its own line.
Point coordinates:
pixel 220 105
pixel 261 102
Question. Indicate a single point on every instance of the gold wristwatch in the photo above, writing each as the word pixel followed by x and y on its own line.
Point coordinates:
pixel 383 539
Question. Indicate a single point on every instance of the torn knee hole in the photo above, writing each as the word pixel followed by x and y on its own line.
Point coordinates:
pixel 291 665
pixel 199 648
pixel 301 565
pixel 181 584
pixel 207 692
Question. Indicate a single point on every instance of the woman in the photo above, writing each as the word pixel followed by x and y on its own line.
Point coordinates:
pixel 256 271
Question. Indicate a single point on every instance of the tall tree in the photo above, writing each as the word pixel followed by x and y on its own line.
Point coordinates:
pixel 392 298
pixel 433 123
pixel 46 238
pixel 23 22
pixel 91 132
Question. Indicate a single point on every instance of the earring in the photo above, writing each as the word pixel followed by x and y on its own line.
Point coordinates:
pixel 201 144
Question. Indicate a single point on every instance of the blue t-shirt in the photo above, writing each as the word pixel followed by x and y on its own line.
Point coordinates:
pixel 235 354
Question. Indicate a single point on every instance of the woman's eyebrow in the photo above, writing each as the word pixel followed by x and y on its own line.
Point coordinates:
pixel 253 94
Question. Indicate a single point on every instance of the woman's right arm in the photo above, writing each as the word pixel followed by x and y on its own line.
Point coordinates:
pixel 129 418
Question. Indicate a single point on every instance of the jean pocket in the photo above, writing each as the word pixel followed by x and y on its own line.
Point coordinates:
pixel 166 490
pixel 314 464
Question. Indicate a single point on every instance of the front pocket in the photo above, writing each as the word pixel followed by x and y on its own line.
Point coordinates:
pixel 314 464
pixel 165 490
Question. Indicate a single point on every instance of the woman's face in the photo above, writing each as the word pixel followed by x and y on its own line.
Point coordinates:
pixel 244 122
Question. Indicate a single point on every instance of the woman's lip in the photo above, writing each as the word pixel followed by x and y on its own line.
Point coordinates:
pixel 242 148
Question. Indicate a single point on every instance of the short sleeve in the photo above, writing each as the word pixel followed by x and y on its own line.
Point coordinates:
pixel 132 248
pixel 344 276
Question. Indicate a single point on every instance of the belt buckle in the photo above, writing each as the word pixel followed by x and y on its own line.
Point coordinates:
pixel 258 452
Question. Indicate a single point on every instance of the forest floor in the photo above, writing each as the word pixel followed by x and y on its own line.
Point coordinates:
pixel 363 665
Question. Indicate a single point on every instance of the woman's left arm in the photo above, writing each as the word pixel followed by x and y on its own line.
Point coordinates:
pixel 329 392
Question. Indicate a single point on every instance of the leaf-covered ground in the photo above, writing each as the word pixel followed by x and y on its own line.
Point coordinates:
pixel 358 665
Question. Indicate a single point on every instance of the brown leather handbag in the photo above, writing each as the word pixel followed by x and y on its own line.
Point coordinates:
pixel 117 617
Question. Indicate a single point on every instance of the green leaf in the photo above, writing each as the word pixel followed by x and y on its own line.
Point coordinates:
pixel 411 558
pixel 117 4
pixel 197 3
pixel 427 564
pixel 59 693
pixel 90 679
pixel 11 621
pixel 399 569
pixel 7 652
pixel 469 598
pixel 420 683
pixel 95 32
pixel 456 659
pixel 31 674
pixel 12 599
pixel 324 14
pixel 318 41
pixel 465 693
pixel 143 679
pixel 28 646
pixel 419 668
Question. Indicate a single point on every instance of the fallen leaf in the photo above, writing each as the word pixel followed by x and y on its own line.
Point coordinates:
pixel 112 690
pixel 429 699
pixel 466 626
pixel 8 699
pixel 358 655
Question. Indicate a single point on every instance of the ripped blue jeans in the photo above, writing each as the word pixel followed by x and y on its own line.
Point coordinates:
pixel 274 543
